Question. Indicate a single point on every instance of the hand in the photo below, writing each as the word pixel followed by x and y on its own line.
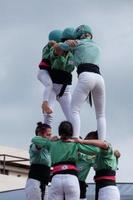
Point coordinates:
pixel 51 43
pixel 117 153
pixel 54 138
pixel 71 43
pixel 57 50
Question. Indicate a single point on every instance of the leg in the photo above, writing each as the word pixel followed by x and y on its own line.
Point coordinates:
pixel 98 94
pixel 109 193
pixel 48 118
pixel 46 193
pixel 83 187
pixel 65 103
pixel 71 187
pixel 32 190
pixel 56 188
pixel 78 98
pixel 45 79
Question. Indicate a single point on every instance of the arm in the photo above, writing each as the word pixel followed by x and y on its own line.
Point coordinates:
pixel 34 148
pixel 66 46
pixel 88 149
pixel 99 143
pixel 40 141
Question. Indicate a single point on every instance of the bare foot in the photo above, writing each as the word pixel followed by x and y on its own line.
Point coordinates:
pixel 46 108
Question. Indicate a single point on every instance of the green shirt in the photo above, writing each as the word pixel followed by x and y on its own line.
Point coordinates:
pixel 84 163
pixel 86 51
pixel 64 151
pixel 46 52
pixel 106 160
pixel 39 156
pixel 64 63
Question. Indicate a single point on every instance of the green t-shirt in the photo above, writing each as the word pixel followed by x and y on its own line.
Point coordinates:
pixel 39 156
pixel 64 63
pixel 84 163
pixel 106 160
pixel 46 52
pixel 86 51
pixel 61 151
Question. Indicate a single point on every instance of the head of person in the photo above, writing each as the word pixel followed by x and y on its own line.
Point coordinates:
pixel 55 35
pixel 43 130
pixel 93 135
pixel 68 34
pixel 83 31
pixel 65 130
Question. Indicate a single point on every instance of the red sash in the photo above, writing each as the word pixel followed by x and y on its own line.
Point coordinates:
pixel 113 178
pixel 43 65
pixel 63 167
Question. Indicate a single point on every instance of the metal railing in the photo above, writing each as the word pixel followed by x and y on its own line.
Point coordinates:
pixel 6 159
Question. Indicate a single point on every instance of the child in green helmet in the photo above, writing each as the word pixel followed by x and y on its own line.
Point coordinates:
pixel 45 67
pixel 62 66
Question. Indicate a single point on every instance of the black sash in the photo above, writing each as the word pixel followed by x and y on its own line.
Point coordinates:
pixel 88 67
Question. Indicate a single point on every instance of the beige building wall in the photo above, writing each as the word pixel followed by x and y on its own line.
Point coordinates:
pixel 16 170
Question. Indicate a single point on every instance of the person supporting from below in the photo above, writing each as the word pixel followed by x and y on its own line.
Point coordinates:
pixel 64 155
pixel 39 173
pixel 44 70
pixel 105 167
pixel 84 163
pixel 86 57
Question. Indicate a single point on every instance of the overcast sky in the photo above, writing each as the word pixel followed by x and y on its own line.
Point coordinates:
pixel 24 28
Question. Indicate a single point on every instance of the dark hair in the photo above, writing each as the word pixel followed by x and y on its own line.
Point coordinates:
pixel 79 37
pixel 41 127
pixel 91 135
pixel 65 130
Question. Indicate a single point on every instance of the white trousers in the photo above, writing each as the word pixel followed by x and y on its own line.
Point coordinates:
pixel 50 93
pixel 64 101
pixel 33 191
pixel 109 193
pixel 87 82
pixel 44 77
pixel 64 185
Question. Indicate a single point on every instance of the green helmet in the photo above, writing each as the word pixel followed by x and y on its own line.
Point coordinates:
pixel 68 33
pixel 82 29
pixel 55 35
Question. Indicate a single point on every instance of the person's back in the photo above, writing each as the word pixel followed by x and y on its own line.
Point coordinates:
pixel 105 167
pixel 105 176
pixel 84 163
pixel 86 57
pixel 86 51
